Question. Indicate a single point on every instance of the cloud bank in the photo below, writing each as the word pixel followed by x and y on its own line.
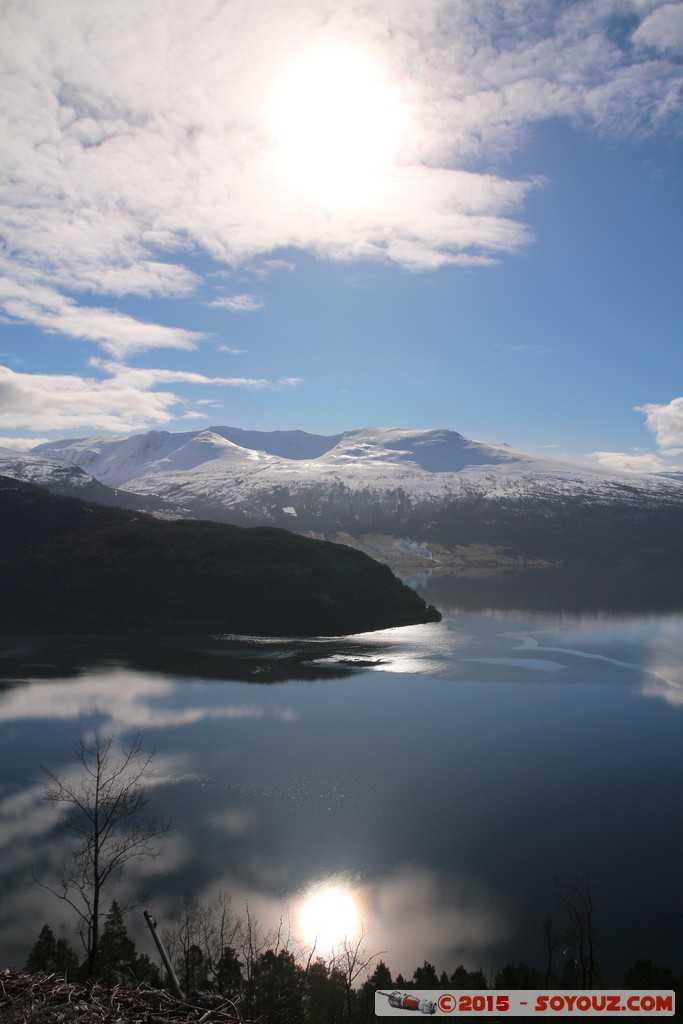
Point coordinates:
pixel 132 132
pixel 124 400
pixel 136 136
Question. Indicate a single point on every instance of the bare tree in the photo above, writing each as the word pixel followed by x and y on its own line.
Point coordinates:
pixel 577 902
pixel 351 959
pixel 106 814
pixel 210 927
pixel 551 940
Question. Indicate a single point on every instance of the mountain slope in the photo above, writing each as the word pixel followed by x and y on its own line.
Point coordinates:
pixel 71 481
pixel 70 561
pixel 429 489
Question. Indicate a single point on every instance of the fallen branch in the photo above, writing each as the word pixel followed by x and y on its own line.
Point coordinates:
pixel 48 999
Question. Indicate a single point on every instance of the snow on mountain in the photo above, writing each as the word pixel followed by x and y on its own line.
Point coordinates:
pixel 113 459
pixel 284 444
pixel 405 496
pixel 434 451
pixel 224 464
pixel 71 480
pixel 43 471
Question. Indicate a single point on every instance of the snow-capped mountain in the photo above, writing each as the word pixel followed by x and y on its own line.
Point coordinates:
pixel 70 480
pixel 225 463
pixel 403 495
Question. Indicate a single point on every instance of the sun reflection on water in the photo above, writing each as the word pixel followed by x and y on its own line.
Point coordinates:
pixel 328 914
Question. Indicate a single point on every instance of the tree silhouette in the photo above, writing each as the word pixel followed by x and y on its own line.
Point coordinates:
pixel 116 956
pixel 462 978
pixel 106 814
pixel 577 902
pixel 426 976
pixel 516 976
pixel 50 955
pixel 646 975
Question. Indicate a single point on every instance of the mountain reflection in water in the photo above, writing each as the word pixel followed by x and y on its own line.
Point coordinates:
pixel 442 775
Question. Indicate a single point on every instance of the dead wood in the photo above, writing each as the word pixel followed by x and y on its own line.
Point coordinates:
pixel 49 999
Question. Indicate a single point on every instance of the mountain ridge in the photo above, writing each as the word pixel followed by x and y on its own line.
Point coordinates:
pixel 68 561
pixel 417 499
pixel 117 461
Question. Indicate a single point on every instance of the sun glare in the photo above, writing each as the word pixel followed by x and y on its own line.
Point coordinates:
pixel 337 123
pixel 328 915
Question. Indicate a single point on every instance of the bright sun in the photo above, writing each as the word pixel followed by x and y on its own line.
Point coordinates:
pixel 329 915
pixel 337 123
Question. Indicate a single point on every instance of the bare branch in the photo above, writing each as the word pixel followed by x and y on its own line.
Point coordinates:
pixel 106 815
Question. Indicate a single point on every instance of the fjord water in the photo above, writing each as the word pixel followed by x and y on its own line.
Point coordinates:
pixel 445 775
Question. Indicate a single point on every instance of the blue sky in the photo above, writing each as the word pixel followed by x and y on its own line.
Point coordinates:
pixel 458 213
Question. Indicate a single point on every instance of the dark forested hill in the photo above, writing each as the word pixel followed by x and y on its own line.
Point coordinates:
pixel 65 560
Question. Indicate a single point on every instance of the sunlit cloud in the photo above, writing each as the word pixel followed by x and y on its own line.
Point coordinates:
pixel 666 422
pixel 144 132
pixel 448 922
pixel 119 334
pixel 122 402
pixel 140 140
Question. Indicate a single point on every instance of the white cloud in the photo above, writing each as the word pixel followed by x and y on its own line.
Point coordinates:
pixel 239 303
pixel 135 132
pixel 448 917
pixel 662 29
pixel 67 402
pixel 22 444
pixel 134 136
pixel 231 350
pixel 266 267
pixel 117 333
pixel 121 403
pixel 624 462
pixel 140 703
pixel 666 422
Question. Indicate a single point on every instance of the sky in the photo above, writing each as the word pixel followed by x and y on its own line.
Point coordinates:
pixel 324 215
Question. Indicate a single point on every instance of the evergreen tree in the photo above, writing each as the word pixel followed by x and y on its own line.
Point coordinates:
pixel 462 978
pixel 229 974
pixel 279 987
pixel 646 975
pixel 324 994
pixel 50 955
pixel 66 960
pixel 116 960
pixel 379 980
pixel 516 976
pixel 380 977
pixel 426 976
pixel 42 954
pixel 146 971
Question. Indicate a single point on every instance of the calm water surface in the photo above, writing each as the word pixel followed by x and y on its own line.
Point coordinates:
pixel 444 775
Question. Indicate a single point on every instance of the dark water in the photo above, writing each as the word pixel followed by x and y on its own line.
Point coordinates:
pixel 428 783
